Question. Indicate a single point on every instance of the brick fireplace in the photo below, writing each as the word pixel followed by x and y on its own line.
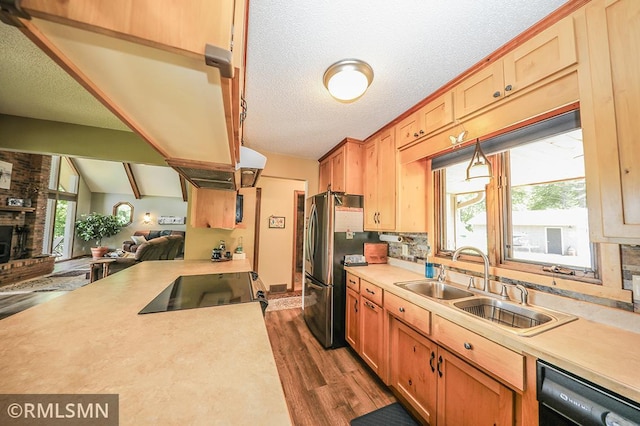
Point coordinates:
pixel 29 181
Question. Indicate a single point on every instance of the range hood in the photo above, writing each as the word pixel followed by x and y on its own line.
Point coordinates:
pixel 222 176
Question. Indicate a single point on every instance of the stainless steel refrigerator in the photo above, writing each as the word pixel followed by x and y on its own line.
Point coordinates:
pixel 334 228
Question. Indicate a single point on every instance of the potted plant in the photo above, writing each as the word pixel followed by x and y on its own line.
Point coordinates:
pixel 96 226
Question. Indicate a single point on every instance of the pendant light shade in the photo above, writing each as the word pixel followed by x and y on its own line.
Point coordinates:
pixel 479 166
pixel 348 79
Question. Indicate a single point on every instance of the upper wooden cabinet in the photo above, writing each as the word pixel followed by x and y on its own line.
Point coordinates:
pixel 172 98
pixel 341 168
pixel 211 208
pixel 532 61
pixel 433 116
pixel 609 108
pixel 380 182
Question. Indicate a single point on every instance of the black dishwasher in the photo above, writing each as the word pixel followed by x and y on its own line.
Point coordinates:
pixel 567 400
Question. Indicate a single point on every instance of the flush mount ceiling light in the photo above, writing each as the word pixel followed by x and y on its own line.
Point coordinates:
pixel 479 166
pixel 348 79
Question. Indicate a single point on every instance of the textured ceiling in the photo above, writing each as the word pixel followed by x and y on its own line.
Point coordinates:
pixel 414 47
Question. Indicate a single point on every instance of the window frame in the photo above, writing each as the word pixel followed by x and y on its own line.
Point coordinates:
pixel 497 195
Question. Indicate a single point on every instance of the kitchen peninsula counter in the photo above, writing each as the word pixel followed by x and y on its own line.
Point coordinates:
pixel 197 366
pixel 601 353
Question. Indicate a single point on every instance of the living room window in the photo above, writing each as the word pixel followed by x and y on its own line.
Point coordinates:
pixel 61 207
pixel 536 217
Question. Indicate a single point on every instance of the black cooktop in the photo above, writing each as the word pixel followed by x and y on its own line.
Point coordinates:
pixel 200 291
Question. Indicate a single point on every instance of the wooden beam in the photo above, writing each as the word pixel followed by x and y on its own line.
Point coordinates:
pixel 132 180
pixel 183 187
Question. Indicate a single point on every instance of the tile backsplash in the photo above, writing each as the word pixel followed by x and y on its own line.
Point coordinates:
pixel 415 248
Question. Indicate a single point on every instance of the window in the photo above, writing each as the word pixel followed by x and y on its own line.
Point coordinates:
pixel 537 216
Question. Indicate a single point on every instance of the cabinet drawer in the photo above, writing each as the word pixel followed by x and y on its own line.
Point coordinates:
pixel 353 282
pixel 497 360
pixel 409 313
pixel 371 292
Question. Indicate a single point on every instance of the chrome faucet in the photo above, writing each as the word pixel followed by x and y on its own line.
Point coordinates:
pixel 524 294
pixel 485 278
pixel 441 274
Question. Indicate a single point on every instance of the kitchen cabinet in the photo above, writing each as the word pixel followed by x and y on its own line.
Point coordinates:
pixel 380 182
pixel 211 208
pixel 435 115
pixel 467 396
pixel 352 314
pixel 365 321
pixel 371 326
pixel 534 60
pixel 352 319
pixel 413 181
pixel 341 168
pixel 412 362
pixel 609 106
pixel 443 386
pixel 191 101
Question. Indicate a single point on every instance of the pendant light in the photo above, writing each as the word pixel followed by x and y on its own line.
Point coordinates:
pixel 348 79
pixel 479 166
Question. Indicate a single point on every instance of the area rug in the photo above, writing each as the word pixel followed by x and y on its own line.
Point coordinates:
pixel 284 303
pixel 393 414
pixel 62 281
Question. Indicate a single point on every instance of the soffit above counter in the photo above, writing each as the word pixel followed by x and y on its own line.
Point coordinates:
pixel 175 102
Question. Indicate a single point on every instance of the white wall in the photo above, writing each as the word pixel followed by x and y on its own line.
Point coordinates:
pixel 157 206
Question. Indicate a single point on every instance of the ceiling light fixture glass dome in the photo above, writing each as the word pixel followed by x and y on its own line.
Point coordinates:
pixel 348 79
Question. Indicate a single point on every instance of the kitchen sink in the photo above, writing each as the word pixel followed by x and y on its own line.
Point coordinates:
pixel 523 320
pixel 435 289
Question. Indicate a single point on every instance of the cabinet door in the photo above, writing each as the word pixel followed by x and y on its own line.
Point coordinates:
pixel 211 208
pixel 408 130
pixel 436 114
pixel 610 101
pixel 353 319
pixel 372 321
pixel 338 171
pixel 479 90
pixel 466 396
pixel 412 363
pixel 371 185
pixel 324 179
pixel 551 51
pixel 386 174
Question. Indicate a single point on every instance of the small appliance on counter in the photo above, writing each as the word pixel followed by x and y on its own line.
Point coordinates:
pixel 354 260
pixel 220 253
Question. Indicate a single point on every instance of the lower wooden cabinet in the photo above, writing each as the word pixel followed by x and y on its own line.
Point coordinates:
pixel 352 319
pixel 441 387
pixel 467 396
pixel 371 334
pixel 412 363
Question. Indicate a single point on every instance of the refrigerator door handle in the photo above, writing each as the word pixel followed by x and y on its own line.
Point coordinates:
pixel 316 286
pixel 311 233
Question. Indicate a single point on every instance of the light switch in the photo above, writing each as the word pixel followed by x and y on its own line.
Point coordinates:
pixel 349 235
pixel 405 250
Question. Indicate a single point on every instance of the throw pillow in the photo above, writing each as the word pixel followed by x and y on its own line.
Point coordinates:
pixel 138 239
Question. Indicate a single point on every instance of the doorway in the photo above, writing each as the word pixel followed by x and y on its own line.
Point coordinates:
pixel 554 240
pixel 298 239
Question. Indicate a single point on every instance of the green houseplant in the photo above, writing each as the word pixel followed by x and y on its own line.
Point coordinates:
pixel 95 227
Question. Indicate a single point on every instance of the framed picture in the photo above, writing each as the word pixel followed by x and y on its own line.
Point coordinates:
pixel 276 221
pixel 171 220
pixel 5 174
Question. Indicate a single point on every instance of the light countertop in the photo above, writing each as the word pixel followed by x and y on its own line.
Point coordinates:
pixel 198 366
pixel 603 354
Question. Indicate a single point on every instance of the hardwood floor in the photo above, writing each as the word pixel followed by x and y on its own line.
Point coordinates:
pixel 13 303
pixel 322 387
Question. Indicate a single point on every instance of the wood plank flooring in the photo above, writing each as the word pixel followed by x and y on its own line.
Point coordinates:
pixel 13 303
pixel 321 387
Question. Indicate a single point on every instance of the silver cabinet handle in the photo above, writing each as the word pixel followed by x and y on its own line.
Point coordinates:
pixel 468 346
pixel 401 309
pixel 496 94
pixel 370 291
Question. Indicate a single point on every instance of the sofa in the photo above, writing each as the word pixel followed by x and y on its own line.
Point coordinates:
pixel 159 248
pixel 131 246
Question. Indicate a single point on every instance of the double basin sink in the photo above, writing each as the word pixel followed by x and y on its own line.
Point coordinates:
pixel 524 320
